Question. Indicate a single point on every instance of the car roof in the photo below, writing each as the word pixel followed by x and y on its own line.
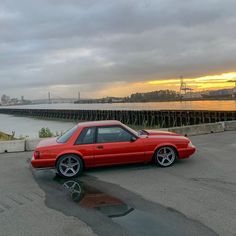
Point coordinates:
pixel 99 123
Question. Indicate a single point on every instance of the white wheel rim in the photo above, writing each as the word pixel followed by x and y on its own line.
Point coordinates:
pixel 165 156
pixel 74 188
pixel 69 166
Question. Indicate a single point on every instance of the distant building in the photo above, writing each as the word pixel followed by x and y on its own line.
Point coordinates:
pixel 14 101
pixel 193 95
pixel 5 99
pixel 221 92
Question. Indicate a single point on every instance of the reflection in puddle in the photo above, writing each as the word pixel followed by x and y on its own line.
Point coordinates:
pixel 136 221
pixel 90 197
pixel 101 206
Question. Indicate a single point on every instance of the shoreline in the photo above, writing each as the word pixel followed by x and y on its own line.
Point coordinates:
pixel 125 102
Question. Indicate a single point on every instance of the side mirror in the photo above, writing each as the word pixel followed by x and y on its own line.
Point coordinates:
pixel 133 139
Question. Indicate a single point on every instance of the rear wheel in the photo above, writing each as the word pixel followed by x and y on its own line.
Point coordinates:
pixel 69 166
pixel 165 156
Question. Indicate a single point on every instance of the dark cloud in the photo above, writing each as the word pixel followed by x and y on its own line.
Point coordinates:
pixel 59 42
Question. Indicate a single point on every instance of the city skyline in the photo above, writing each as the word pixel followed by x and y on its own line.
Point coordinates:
pixel 111 48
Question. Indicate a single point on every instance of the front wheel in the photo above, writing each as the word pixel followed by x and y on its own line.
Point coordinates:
pixel 165 156
pixel 69 166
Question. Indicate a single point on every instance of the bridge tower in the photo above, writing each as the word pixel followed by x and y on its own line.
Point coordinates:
pixel 49 97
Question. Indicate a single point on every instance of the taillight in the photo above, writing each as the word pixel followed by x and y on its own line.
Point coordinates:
pixel 190 144
pixel 36 155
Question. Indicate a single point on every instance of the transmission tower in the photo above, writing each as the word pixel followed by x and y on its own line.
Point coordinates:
pixel 183 87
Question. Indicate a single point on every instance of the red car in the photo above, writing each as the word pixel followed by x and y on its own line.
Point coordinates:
pixel 102 143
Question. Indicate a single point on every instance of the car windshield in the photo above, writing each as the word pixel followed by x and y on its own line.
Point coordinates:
pixel 67 135
pixel 131 130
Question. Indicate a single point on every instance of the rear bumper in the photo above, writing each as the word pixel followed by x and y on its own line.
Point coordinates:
pixel 186 152
pixel 43 163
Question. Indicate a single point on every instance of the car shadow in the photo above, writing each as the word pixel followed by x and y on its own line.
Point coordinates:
pixel 123 167
pixel 137 166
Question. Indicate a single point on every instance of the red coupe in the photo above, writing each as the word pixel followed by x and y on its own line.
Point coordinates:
pixel 101 143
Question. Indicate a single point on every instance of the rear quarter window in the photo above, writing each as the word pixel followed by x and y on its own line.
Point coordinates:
pixel 87 136
pixel 67 135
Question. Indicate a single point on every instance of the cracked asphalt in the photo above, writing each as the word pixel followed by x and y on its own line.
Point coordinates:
pixel 194 197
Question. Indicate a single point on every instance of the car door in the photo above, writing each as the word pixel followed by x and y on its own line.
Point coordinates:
pixel 116 145
pixel 85 145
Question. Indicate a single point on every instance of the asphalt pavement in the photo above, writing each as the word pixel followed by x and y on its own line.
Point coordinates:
pixel 196 196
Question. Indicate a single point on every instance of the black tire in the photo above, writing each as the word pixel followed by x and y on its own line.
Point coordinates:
pixel 69 166
pixel 165 156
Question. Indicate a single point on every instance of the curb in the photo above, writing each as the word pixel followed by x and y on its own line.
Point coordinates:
pixel 192 130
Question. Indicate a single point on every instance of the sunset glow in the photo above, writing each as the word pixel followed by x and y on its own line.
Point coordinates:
pixel 203 83
pixel 208 82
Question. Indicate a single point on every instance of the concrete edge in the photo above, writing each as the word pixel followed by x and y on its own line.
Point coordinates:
pixel 31 144
pixel 190 130
pixel 19 145
pixel 12 146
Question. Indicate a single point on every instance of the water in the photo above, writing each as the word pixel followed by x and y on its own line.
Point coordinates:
pixel 30 127
pixel 186 105
pixel 23 126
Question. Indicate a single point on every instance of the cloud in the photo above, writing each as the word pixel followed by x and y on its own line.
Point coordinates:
pixel 93 44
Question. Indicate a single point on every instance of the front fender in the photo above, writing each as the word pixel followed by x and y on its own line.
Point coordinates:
pixel 167 144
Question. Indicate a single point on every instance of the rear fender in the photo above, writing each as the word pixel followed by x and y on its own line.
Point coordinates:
pixel 87 161
pixel 69 152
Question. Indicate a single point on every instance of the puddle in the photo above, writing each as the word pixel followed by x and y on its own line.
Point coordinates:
pixel 90 197
pixel 111 210
pixel 138 222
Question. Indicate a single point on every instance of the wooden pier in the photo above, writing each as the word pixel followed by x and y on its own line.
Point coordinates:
pixel 146 118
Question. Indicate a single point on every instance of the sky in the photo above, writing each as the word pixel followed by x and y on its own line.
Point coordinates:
pixel 114 48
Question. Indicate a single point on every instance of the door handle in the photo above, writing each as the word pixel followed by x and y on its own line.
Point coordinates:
pixel 100 147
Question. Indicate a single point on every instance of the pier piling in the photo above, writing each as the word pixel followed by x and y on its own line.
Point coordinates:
pixel 146 118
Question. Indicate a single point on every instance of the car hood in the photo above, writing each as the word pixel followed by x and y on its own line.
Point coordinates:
pixel 159 132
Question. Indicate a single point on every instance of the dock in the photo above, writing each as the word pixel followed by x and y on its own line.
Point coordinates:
pixel 146 118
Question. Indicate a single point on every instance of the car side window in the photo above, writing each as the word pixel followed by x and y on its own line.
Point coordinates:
pixel 86 136
pixel 112 134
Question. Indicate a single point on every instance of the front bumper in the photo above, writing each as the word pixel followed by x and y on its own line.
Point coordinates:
pixel 186 152
pixel 43 163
